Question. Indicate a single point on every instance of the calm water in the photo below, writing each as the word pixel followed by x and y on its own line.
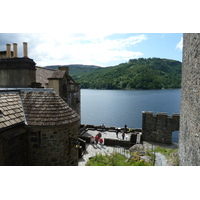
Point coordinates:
pixel 120 107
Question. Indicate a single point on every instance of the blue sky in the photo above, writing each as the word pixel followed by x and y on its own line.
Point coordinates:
pixel 102 48
pixel 161 45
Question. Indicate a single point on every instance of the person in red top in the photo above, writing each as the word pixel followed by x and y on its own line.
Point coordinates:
pixel 96 139
pixel 123 135
pixel 101 141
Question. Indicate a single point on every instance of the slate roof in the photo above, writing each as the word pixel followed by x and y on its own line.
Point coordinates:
pixel 47 109
pixel 11 111
pixel 35 107
pixel 42 75
pixel 58 75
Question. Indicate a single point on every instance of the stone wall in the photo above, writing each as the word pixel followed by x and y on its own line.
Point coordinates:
pixel 17 72
pixel 39 146
pixel 66 88
pixel 54 83
pixel 14 147
pixel 53 145
pixel 110 142
pixel 189 136
pixel 159 127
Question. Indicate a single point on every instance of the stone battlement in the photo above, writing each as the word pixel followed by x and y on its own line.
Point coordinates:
pixel 159 127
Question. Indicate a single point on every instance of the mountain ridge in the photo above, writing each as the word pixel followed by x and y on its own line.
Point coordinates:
pixel 141 73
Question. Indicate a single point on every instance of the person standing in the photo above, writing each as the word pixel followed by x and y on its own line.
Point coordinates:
pixel 125 128
pixel 92 140
pixel 102 127
pixel 96 139
pixel 123 135
pixel 101 141
pixel 99 134
pixel 117 132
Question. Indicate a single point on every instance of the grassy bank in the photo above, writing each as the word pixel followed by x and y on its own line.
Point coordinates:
pixel 170 154
pixel 117 159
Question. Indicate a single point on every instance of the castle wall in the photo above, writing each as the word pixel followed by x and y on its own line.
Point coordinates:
pixel 189 137
pixel 159 127
pixel 53 145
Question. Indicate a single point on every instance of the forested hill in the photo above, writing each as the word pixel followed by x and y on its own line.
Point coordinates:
pixel 151 73
pixel 76 70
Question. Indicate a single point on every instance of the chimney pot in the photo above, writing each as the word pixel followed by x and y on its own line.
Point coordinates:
pixel 25 49
pixel 8 52
pixel 15 50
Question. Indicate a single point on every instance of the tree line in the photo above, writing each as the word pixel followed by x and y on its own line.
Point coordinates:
pixel 150 73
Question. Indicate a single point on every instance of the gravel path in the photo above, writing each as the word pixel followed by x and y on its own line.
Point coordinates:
pixel 160 160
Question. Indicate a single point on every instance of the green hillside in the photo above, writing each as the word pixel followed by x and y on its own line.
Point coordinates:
pixel 76 70
pixel 151 73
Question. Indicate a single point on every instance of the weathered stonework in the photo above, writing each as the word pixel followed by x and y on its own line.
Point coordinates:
pixel 53 129
pixel 189 137
pixel 17 72
pixel 14 147
pixel 159 128
pixel 65 87
pixel 53 145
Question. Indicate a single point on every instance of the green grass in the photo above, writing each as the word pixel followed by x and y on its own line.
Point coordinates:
pixel 165 152
pixel 170 154
pixel 116 159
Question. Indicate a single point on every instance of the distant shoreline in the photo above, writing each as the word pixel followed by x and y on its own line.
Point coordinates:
pixel 130 89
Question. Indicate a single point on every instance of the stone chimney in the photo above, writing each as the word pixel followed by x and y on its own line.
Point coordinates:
pixel 64 68
pixel 8 52
pixel 15 54
pixel 25 49
pixel 20 72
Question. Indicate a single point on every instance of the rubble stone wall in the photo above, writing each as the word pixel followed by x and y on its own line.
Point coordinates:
pixel 53 146
pixel 189 137
pixel 14 147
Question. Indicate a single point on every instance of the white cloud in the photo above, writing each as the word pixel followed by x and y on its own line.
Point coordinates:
pixel 180 45
pixel 85 48
pixel 78 48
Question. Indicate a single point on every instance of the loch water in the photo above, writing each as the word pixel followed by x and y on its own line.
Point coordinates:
pixel 120 107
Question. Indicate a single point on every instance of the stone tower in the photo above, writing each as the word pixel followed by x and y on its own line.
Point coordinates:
pixel 189 137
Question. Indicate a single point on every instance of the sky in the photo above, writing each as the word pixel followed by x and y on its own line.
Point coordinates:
pixel 94 48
